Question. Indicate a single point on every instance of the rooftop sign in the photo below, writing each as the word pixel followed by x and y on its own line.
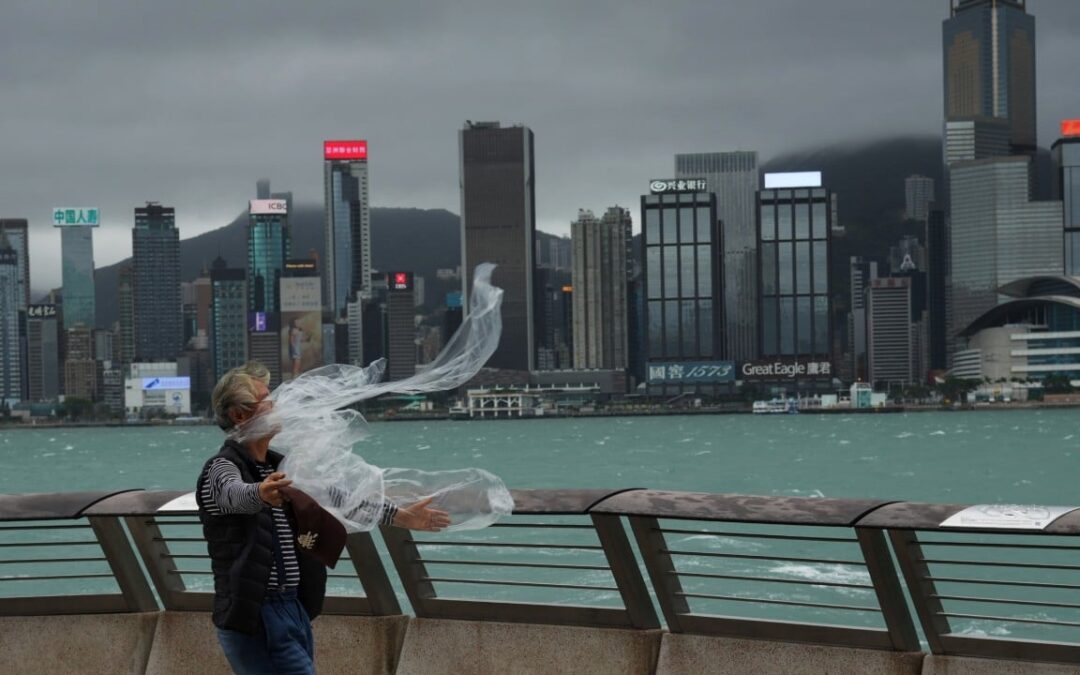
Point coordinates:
pixel 69 216
pixel 1070 127
pixel 793 179
pixel 345 149
pixel 663 185
pixel 268 207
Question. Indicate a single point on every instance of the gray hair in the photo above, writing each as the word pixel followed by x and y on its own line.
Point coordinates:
pixel 236 389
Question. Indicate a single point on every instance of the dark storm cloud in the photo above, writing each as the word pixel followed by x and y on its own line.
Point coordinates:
pixel 113 103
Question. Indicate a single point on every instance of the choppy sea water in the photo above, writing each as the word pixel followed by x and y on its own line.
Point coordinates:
pixel 1003 456
pixel 974 457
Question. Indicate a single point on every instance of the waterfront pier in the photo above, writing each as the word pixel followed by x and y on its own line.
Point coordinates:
pixel 597 581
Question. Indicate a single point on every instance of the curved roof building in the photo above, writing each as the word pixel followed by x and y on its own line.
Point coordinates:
pixel 1030 337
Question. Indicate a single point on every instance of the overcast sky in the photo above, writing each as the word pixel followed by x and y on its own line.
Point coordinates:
pixel 110 104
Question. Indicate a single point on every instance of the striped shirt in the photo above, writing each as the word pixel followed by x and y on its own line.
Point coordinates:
pixel 225 493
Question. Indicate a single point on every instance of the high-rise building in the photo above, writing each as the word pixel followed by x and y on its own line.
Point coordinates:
pixel 11 303
pixel 43 352
pixel 17 231
pixel 554 322
pixel 889 331
pixel 795 239
pixel 997 235
pixel 82 372
pixel 989 66
pixel 159 330
pixel 918 196
pixel 975 138
pixel 124 344
pixel 861 272
pixel 269 246
pixel 908 253
pixel 599 281
pixel 734 178
pixel 937 283
pixel 228 318
pixel 1066 153
pixel 498 225
pixel 683 280
pixel 401 326
pixel 77 251
pixel 347 267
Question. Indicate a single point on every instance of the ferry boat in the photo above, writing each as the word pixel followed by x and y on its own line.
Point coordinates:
pixel 776 406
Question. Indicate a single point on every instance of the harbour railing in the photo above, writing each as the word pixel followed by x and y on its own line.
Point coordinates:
pixel 945 579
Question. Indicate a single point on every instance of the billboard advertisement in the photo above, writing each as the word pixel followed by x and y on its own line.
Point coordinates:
pixel 67 216
pixel 301 325
pixel 268 207
pixel 166 383
pixel 690 372
pixel 793 179
pixel 774 370
pixel 345 149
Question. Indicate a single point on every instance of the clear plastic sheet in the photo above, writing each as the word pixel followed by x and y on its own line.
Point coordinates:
pixel 317 435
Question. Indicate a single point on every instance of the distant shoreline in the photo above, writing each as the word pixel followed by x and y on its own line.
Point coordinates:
pixel 435 416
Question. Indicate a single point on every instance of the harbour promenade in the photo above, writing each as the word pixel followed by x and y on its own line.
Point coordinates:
pixel 599 581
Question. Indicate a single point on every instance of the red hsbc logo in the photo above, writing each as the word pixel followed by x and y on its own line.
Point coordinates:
pixel 345 149
pixel 1070 127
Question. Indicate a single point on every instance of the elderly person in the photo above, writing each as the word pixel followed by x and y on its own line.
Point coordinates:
pixel 265 591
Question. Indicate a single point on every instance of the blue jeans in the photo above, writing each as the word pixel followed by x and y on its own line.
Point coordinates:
pixel 286 645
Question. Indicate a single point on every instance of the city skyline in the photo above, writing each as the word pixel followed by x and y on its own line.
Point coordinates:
pixel 204 164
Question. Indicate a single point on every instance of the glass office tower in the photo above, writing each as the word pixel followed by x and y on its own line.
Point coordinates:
pixel 1066 152
pixel 682 277
pixel 989 66
pixel 794 231
pixel 347 268
pixel 159 323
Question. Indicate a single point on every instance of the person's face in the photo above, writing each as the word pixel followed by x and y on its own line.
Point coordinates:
pixel 263 404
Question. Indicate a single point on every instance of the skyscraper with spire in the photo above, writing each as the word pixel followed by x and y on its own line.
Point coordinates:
pixel 989 66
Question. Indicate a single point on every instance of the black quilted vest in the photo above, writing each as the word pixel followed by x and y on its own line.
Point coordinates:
pixel 242 554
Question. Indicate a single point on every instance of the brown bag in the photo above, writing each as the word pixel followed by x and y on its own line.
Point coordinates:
pixel 318 532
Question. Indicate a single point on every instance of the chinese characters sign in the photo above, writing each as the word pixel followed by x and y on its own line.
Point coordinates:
pixel 690 372
pixel 65 217
pixel 678 185
pixel 345 149
pixel 1070 127
pixel 40 311
pixel 786 370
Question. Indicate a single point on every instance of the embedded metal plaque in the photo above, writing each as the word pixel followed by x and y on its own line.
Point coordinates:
pixel 181 503
pixel 1007 516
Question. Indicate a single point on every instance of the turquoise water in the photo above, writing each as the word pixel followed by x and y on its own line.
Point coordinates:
pixel 975 457
pixel 1001 456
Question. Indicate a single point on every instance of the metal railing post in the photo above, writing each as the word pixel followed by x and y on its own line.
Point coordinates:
pixel 154 552
pixel 921 587
pixel 372 574
pixel 890 594
pixel 124 564
pixel 624 568
pixel 661 569
pixel 410 567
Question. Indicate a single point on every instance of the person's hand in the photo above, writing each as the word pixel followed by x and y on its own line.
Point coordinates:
pixel 268 489
pixel 420 516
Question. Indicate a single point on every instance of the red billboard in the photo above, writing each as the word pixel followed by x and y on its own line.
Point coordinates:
pixel 1070 127
pixel 344 149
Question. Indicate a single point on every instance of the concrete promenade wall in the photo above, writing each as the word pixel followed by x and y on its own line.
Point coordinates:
pixel 682 654
pixel 435 646
pixel 160 643
pixel 82 643
pixel 186 642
